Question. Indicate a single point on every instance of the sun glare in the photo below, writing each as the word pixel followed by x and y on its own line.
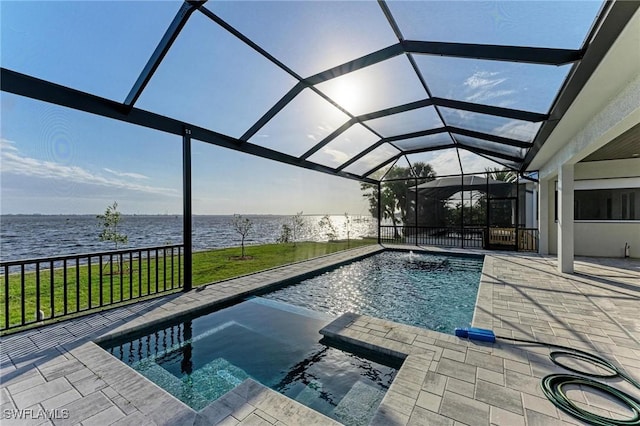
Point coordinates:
pixel 348 95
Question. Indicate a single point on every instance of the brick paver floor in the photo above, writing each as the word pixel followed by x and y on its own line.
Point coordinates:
pixel 443 379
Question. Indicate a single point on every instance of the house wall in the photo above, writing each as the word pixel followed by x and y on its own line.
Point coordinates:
pixel 600 238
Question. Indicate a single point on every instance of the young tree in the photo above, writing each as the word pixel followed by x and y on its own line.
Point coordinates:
pixel 298 225
pixel 347 227
pixel 242 225
pixel 110 220
pixel 327 226
pixel 293 231
pixel 285 234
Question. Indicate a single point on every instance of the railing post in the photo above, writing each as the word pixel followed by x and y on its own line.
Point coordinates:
pixel 462 210
pixel 415 230
pixel 186 214
pixel 517 213
pixel 379 211
pixel 487 215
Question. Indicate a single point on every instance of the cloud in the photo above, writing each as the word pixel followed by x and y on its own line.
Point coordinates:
pixel 524 131
pixel 13 162
pixel 484 85
pixel 336 155
pixel 126 174
pixel 483 80
pixel 445 162
pixel 7 145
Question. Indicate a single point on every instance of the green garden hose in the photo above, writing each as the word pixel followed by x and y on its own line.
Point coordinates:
pixel 553 384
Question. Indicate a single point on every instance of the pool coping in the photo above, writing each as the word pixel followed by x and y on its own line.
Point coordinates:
pixel 82 363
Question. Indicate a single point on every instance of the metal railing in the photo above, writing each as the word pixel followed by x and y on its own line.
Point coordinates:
pixel 467 237
pixel 35 290
pixel 470 237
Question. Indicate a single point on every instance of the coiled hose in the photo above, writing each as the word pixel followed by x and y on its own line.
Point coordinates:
pixel 553 385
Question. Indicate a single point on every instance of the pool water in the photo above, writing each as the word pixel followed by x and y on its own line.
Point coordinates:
pixel 274 343
pixel 432 291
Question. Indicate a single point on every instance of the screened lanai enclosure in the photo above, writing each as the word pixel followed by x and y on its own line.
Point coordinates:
pixel 437 113
pixel 468 211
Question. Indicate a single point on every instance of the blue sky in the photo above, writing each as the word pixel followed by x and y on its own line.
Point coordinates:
pixel 56 160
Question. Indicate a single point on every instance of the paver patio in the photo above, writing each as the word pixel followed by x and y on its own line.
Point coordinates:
pixel 443 380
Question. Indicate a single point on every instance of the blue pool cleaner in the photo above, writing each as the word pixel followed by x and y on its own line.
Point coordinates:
pixel 475 333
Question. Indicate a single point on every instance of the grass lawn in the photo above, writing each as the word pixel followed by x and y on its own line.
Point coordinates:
pixel 90 288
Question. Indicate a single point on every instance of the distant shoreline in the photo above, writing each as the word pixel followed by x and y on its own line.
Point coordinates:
pixel 169 215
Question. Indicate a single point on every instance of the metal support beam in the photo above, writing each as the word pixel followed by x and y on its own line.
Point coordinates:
pixel 361 154
pixel 167 40
pixel 516 114
pixel 288 97
pixel 356 64
pixel 384 163
pixel 491 153
pixel 532 55
pixel 34 88
pixel 328 139
pixel 416 134
pixel 603 35
pixel 187 231
pixel 492 138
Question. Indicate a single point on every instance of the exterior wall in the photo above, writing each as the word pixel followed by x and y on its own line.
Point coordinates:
pixel 599 238
pixel 608 169
pixel 606 239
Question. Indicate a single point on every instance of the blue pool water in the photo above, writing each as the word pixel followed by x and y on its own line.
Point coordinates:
pixel 432 291
pixel 274 343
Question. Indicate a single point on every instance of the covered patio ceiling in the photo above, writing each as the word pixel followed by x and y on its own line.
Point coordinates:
pixel 346 88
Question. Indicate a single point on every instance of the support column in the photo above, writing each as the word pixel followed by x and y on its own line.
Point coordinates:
pixel 187 236
pixel 543 217
pixel 565 218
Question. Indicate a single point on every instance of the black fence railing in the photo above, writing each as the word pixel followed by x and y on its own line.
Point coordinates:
pixel 467 237
pixel 35 290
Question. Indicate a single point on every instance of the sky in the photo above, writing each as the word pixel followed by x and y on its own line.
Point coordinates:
pixel 56 160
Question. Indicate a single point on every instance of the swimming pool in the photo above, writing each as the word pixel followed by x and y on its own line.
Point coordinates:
pixel 432 291
pixel 274 343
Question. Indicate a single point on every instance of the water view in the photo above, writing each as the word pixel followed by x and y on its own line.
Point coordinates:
pixel 32 236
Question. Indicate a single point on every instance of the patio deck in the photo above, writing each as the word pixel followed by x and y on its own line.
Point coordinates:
pixel 444 379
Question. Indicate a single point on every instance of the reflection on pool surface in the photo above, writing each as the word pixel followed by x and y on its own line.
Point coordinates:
pixel 432 291
pixel 274 343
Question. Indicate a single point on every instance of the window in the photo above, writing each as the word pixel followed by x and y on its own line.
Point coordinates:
pixel 604 204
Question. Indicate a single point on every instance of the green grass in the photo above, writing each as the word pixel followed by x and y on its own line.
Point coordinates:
pixel 139 278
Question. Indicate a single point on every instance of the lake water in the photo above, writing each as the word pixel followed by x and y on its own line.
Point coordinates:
pixel 32 236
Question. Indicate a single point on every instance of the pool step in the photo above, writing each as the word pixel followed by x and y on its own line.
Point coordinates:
pixel 359 404
pixel 312 396
pixel 203 386
pixel 287 307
